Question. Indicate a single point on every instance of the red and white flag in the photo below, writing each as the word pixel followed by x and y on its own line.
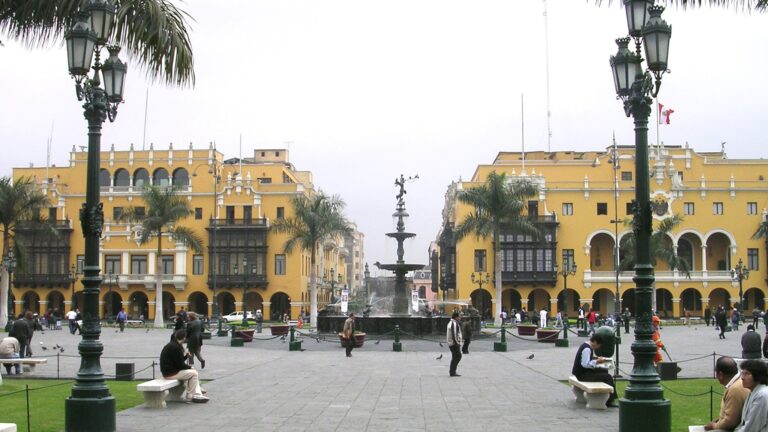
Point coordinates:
pixel 665 114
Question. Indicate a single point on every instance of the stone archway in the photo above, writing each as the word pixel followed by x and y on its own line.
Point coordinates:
pixel 481 300
pixel 690 299
pixel 720 297
pixel 112 303
pixel 603 302
pixel 56 301
pixel 754 298
pixel 628 300
pixel 279 304
pixel 254 302
pixel 664 305
pixel 138 306
pixel 515 301
pixel 31 302
pixel 169 305
pixel 538 299
pixel 198 303
pixel 226 303
pixel 568 302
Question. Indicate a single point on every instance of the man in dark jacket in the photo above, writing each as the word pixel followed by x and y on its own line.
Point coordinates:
pixel 750 343
pixel 588 368
pixel 195 339
pixel 173 366
pixel 466 333
pixel 21 331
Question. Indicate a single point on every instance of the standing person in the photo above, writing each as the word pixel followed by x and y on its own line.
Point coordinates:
pixel 10 349
pixel 685 316
pixel 466 333
pixel 591 320
pixel 543 318
pixel 627 317
pixel 349 333
pixel 580 318
pixel 453 337
pixel 78 320
pixel 707 315
pixel 121 318
pixel 735 319
pixel 259 320
pixel 727 374
pixel 195 339
pixel 72 319
pixel 20 330
pixel 172 366
pixel 754 416
pixel 756 318
pixel 720 320
pixel 750 344
pixel 585 366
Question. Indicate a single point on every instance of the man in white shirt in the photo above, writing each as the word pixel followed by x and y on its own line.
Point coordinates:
pixel 453 337
pixel 72 318
pixel 587 367
pixel 543 318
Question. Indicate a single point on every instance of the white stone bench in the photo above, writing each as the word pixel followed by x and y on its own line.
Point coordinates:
pixel 157 391
pixel 28 364
pixel 7 427
pixel 595 394
pixel 134 323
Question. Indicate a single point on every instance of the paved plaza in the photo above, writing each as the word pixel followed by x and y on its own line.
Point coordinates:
pixel 264 387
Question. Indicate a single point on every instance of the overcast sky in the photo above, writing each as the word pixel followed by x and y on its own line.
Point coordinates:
pixel 361 91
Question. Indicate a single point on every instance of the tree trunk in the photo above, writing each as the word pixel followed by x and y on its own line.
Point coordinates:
pixel 159 322
pixel 313 290
pixel 4 283
pixel 497 277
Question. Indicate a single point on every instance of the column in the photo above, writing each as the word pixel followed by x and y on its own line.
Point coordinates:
pixel 704 260
pixel 677 310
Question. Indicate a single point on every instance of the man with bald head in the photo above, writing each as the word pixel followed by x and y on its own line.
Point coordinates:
pixel 727 373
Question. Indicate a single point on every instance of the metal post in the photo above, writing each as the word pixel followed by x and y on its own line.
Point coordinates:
pixel 91 407
pixel 396 345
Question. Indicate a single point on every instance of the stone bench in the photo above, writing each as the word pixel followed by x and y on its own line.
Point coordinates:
pixel 595 394
pixel 157 391
pixel 28 364
pixel 8 427
pixel 134 323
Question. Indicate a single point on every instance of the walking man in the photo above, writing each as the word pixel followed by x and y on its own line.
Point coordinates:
pixel 259 320
pixel 349 333
pixel 626 318
pixel 466 333
pixel 453 336
pixel 121 318
pixel 195 339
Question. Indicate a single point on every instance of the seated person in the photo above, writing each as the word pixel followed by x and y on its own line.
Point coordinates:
pixel 9 349
pixel 174 366
pixel 754 416
pixel 585 366
pixel 750 344
pixel 727 374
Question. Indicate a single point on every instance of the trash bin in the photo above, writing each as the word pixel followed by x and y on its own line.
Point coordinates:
pixel 609 340
pixel 124 371
pixel 668 370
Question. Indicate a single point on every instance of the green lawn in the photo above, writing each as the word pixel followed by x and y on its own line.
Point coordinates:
pixel 688 410
pixel 46 401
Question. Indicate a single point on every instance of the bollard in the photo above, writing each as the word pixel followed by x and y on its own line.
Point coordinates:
pixel 563 343
pixel 294 345
pixel 396 345
pixel 235 341
pixel 501 346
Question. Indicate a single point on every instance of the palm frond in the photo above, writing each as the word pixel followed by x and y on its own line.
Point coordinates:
pixel 189 237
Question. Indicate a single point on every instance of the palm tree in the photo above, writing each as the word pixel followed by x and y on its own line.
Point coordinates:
pixel 758 5
pixel 153 32
pixel 762 233
pixel 661 248
pixel 164 209
pixel 19 202
pixel 498 204
pixel 315 219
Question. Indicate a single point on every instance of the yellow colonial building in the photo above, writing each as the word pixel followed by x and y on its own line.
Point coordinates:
pixel 233 200
pixel 583 202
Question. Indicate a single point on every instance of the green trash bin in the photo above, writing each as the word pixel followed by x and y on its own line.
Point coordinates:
pixel 609 341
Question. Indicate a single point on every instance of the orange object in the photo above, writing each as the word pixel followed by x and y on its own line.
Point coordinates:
pixel 300 323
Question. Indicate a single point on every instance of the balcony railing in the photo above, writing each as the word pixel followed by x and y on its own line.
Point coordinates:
pixel 261 222
pixel 544 277
pixel 674 276
pixel 179 281
pixel 237 281
pixel 44 280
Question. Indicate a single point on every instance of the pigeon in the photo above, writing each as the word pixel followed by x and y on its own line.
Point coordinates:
pixel 147 330
pixel 282 338
pixel 440 357
pixel 302 350
pixel 530 357
pixel 115 331
pixel 377 342
pixel 317 340
pixel 56 346
pixel 44 348
pixel 61 349
pixel 441 344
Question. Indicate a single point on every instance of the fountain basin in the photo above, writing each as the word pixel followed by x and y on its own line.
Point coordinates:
pixel 382 325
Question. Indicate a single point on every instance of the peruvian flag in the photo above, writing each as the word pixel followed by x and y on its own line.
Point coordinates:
pixel 664 114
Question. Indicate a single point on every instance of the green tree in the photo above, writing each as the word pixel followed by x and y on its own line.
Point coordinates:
pixel 498 204
pixel 152 32
pixel 164 208
pixel 762 233
pixel 20 202
pixel 661 247
pixel 314 219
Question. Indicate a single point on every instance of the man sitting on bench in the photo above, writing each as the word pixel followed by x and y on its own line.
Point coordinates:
pixel 173 366
pixel 586 366
pixel 9 349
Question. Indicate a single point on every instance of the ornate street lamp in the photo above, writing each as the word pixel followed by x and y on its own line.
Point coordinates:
pixel 9 264
pixel 740 273
pixel 643 406
pixel 91 407
pixel 569 269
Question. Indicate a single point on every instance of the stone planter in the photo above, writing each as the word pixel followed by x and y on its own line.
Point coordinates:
pixel 526 330
pixel 245 335
pixel 359 339
pixel 279 329
pixel 547 335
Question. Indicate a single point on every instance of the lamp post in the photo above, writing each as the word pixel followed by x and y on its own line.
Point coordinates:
pixel 480 279
pixel 333 288
pixel 643 406
pixel 366 276
pixel 9 263
pixel 91 407
pixel 569 269
pixel 73 277
pixel 740 273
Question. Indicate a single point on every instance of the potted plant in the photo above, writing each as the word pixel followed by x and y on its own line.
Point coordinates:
pixel 549 334
pixel 279 329
pixel 359 339
pixel 244 333
pixel 526 329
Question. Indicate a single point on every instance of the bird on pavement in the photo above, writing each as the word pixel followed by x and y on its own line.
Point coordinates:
pixel 56 346
pixel 440 357
pixel 44 348
pixel 317 340
pixel 147 330
pixel 441 344
pixel 377 342
pixel 530 357
pixel 61 349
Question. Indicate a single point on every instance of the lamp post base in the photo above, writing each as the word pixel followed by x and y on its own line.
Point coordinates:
pixel 90 414
pixel 645 415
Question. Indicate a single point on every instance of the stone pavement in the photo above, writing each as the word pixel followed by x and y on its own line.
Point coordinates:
pixel 264 387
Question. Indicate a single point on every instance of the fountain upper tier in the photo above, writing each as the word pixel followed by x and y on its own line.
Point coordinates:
pixel 400 235
pixel 402 267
